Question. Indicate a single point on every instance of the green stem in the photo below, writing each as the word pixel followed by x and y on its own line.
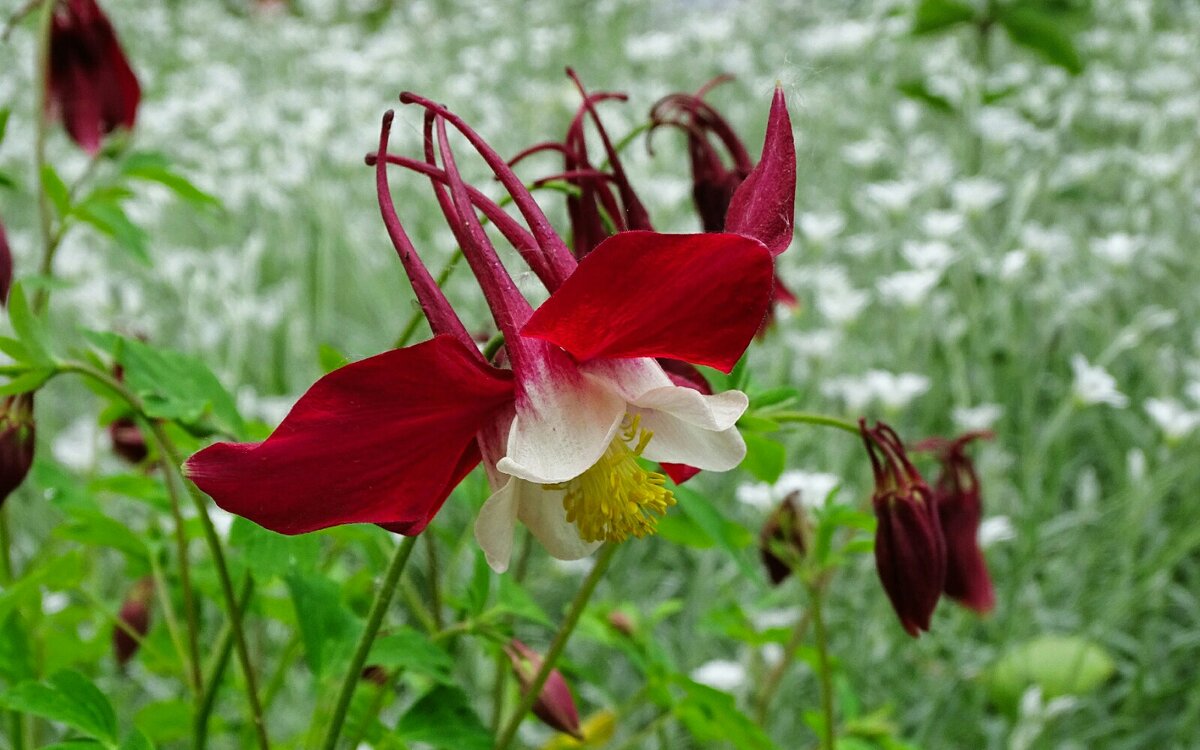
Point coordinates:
pixel 775 677
pixel 39 149
pixel 823 420
pixel 530 696
pixel 216 672
pixel 383 597
pixel 185 580
pixel 164 600
pixel 164 445
pixel 435 589
pixel 817 594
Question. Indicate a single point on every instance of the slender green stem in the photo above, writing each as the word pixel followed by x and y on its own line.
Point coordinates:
pixel 492 346
pixel 435 586
pixel 196 680
pixel 817 595
pixel 638 738
pixel 120 624
pixel 775 677
pixel 164 600
pixel 823 420
pixel 39 148
pixel 556 647
pixel 383 597
pixel 231 604
pixel 216 671
pixel 166 447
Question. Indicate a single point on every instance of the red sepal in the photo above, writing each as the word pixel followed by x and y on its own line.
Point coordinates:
pixel 383 440
pixel 764 206
pixel 694 297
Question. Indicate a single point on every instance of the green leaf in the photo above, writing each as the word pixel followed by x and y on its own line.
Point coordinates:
pixel 773 397
pixel 515 600
pixel 917 89
pixel 165 721
pixel 16 654
pixel 28 328
pixel 757 424
pixel 70 699
pixel 765 458
pixel 110 219
pixel 7 181
pixel 728 536
pixel 269 554
pixel 327 626
pixel 330 359
pixel 155 168
pixel 173 385
pixel 56 191
pixel 14 349
pixel 412 650
pixel 677 528
pixel 59 573
pixel 99 530
pixel 480 587
pixel 1058 664
pixel 4 113
pixel 443 718
pixel 712 716
pixel 135 740
pixel 1043 34
pixel 26 382
pixel 939 15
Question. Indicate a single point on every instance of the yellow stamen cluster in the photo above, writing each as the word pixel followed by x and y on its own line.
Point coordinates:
pixel 616 498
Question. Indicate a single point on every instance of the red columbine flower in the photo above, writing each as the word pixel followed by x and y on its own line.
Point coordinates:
pixel 957 497
pixel 92 87
pixel 736 195
pixel 135 615
pixel 910 553
pixel 555 705
pixel 17 441
pixel 385 440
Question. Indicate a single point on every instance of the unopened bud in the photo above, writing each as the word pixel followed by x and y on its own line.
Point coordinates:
pixel 781 541
pixel 621 622
pixel 127 440
pixel 555 705
pixel 16 442
pixel 134 616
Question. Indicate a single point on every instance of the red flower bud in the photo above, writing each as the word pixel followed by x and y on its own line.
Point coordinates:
pixel 135 614
pixel 374 673
pixel 781 541
pixel 555 705
pixel 910 552
pixel 960 509
pixel 127 440
pixel 92 87
pixel 622 623
pixel 16 442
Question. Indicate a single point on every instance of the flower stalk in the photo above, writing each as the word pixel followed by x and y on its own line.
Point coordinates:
pixel 530 695
pixel 383 598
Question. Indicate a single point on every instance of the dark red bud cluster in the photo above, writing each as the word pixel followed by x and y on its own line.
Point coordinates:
pixel 17 439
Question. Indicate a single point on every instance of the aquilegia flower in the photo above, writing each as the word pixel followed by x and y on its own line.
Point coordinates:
pixel 17 441
pixel 385 440
pixel 92 87
pixel 957 497
pixel 910 552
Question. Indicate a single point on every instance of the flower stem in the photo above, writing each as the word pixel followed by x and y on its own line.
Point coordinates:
pixel 383 597
pixel 39 148
pixel 530 696
pixel 6 561
pixel 823 420
pixel 217 670
pixel 174 461
pixel 775 677
pixel 817 595
pixel 185 581
pixel 168 608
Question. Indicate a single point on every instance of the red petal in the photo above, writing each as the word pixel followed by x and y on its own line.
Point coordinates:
pixel 679 473
pixel 694 297
pixel 383 440
pixel 764 206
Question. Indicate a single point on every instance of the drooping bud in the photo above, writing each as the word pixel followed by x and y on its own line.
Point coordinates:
pixel 959 506
pixel 781 542
pixel 17 439
pixel 92 87
pixel 621 622
pixel 555 705
pixel 910 552
pixel 127 440
pixel 374 674
pixel 135 615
